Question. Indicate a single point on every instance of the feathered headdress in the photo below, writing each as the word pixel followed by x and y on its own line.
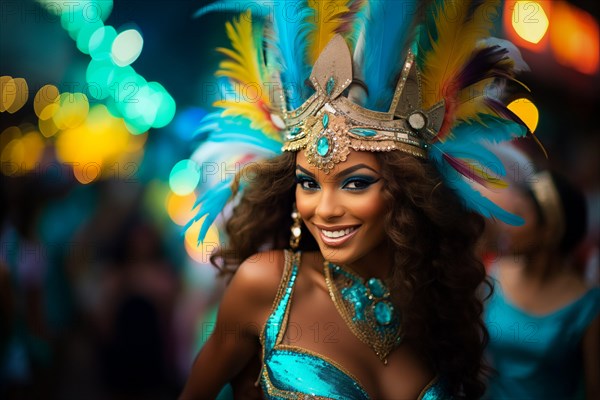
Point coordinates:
pixel 329 76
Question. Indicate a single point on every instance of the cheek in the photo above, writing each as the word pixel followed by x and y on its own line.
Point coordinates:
pixel 304 203
pixel 370 208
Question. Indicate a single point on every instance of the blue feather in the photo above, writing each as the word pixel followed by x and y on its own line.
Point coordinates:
pixel 291 28
pixel 427 32
pixel 235 130
pixel 474 151
pixel 468 140
pixel 471 198
pixel 381 53
pixel 212 202
pixel 257 7
pixel 491 129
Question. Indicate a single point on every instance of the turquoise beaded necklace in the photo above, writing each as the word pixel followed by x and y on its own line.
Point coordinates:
pixel 366 308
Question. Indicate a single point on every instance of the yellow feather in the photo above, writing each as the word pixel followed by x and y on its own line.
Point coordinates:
pixel 457 36
pixel 327 20
pixel 492 181
pixel 246 75
pixel 257 117
pixel 242 64
pixel 471 101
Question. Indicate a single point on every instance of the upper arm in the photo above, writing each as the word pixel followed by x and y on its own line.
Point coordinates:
pixel 591 359
pixel 244 308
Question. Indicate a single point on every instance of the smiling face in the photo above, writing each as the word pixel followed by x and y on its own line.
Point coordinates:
pixel 344 210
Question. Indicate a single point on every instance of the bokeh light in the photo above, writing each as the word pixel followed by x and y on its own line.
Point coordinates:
pixel 575 38
pixel 46 102
pixel 14 93
pixel 201 252
pixel 530 20
pixel 72 111
pixel 527 111
pixel 127 47
pixel 180 208
pixel 101 42
pixel 184 177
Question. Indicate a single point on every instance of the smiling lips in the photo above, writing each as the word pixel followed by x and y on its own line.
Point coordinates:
pixel 334 236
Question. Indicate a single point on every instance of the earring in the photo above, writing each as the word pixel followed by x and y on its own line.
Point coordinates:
pixel 296 229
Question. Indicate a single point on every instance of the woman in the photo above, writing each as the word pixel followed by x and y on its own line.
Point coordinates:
pixel 377 296
pixel 543 321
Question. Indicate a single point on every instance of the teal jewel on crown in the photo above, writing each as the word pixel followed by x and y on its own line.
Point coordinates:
pixel 323 144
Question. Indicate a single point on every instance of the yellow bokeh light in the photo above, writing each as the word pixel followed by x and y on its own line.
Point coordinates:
pixel 6 96
pixel 179 208
pixel 13 94
pixel 100 147
pixel 87 172
pixel 12 157
pixel 47 127
pixel 202 252
pixel 47 95
pixel 33 143
pixel 7 135
pixel 529 20
pixel 73 110
pixel 527 111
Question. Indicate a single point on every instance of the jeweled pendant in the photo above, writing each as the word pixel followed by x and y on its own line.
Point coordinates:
pixel 323 146
pixel 376 287
pixel 384 312
pixel 366 309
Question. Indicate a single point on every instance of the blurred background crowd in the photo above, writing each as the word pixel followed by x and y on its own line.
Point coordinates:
pixel 103 293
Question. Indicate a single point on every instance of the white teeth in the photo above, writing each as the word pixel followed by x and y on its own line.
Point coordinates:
pixel 337 234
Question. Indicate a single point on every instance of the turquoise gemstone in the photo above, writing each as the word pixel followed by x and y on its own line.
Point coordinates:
pixel 363 132
pixel 294 131
pixel 376 287
pixel 323 146
pixel 330 86
pixel 325 120
pixel 383 312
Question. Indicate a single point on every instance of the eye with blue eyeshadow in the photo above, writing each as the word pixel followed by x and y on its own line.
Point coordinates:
pixel 306 182
pixel 359 182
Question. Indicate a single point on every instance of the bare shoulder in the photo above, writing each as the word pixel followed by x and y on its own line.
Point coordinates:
pixel 258 277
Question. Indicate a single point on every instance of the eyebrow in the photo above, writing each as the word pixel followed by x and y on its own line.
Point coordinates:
pixel 340 174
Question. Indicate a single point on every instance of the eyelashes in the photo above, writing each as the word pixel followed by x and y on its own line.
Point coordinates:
pixel 353 183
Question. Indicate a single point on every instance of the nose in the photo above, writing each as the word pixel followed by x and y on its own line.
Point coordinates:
pixel 329 205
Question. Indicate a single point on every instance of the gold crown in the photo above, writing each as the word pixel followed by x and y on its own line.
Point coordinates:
pixel 329 123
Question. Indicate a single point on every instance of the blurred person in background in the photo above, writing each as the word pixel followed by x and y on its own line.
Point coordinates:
pixel 134 315
pixel 543 320
pixel 25 342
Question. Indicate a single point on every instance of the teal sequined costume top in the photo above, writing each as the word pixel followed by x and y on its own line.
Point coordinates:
pixel 290 372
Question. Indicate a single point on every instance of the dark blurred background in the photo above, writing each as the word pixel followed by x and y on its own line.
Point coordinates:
pixel 102 293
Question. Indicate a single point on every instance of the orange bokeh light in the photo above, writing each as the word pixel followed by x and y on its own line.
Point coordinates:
pixel 574 38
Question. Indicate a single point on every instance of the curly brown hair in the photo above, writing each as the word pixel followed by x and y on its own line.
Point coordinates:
pixel 437 275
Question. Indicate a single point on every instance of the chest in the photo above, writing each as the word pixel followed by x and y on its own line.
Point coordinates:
pixel 315 325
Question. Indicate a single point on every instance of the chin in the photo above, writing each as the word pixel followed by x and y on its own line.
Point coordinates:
pixel 338 256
